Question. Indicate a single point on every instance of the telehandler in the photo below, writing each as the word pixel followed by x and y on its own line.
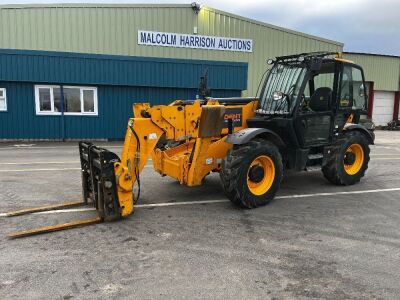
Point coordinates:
pixel 306 116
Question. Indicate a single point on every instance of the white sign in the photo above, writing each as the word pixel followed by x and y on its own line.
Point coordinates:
pixel 181 40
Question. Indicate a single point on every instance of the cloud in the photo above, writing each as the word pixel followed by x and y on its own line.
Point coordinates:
pixel 362 25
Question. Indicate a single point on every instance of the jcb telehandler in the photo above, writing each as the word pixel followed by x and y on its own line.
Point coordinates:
pixel 306 116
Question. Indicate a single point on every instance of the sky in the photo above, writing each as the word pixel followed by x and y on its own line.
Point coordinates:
pixel 368 26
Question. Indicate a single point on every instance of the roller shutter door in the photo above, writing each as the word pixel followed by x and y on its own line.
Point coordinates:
pixel 383 107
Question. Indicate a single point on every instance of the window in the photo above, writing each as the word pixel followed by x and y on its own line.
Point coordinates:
pixel 3 100
pixel 352 90
pixel 77 100
pixel 318 91
pixel 345 91
pixel 359 91
pixel 281 89
pixel 324 80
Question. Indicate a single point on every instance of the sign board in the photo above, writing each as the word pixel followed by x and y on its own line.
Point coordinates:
pixel 182 40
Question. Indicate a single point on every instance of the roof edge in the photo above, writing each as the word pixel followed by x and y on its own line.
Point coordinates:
pixel 211 9
pixel 64 54
pixel 82 5
pixel 299 33
pixel 371 54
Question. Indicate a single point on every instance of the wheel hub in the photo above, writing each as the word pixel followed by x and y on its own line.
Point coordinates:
pixel 353 159
pixel 256 173
pixel 349 158
pixel 260 175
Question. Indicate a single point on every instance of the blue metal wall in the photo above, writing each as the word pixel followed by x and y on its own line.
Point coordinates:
pixel 120 81
pixel 76 68
pixel 114 108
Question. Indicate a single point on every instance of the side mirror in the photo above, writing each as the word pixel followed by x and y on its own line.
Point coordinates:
pixel 361 90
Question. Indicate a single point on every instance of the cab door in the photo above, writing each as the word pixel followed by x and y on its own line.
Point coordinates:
pixel 352 98
pixel 314 121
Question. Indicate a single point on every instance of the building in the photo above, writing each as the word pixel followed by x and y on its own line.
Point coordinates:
pixel 382 73
pixel 73 71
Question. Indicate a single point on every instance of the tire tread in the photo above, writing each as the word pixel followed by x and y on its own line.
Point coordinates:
pixel 332 169
pixel 231 166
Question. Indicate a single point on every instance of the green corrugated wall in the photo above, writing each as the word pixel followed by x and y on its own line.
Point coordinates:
pixel 112 29
pixel 384 71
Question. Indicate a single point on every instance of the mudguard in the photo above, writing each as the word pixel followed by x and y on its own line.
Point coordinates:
pixel 370 136
pixel 245 135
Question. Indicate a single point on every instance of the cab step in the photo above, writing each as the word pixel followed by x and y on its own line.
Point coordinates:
pixel 314 162
pixel 313 168
pixel 315 156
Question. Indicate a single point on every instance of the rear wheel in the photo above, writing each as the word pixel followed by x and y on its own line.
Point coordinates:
pixel 251 173
pixel 348 160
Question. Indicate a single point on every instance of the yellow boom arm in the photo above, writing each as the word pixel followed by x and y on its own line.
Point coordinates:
pixel 190 139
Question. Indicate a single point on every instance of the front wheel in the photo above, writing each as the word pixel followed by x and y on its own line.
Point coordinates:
pixel 251 173
pixel 348 160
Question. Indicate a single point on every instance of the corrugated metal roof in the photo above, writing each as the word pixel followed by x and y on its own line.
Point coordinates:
pixel 371 54
pixel 383 70
pixel 77 68
pixel 211 9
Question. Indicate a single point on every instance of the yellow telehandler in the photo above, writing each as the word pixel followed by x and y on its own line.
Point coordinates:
pixel 306 116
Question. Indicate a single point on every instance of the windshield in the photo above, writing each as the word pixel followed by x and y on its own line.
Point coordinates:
pixel 281 89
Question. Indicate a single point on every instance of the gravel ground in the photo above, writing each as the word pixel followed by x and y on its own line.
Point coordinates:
pixel 332 246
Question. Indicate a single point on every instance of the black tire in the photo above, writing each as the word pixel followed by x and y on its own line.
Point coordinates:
pixel 334 169
pixel 235 168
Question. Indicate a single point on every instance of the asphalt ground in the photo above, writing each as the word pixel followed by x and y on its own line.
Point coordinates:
pixel 315 240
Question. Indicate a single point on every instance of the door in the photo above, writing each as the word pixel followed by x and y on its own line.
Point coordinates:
pixel 382 112
pixel 315 118
pixel 353 95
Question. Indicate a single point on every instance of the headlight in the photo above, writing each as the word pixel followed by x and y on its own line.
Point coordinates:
pixel 277 96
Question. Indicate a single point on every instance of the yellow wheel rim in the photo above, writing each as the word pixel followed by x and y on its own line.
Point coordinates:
pixel 355 165
pixel 261 186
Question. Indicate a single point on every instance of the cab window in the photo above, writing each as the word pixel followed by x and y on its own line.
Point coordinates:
pixel 352 90
pixel 318 92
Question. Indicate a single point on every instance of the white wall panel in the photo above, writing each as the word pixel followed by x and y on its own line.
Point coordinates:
pixel 383 107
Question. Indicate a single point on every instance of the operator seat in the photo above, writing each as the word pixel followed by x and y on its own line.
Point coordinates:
pixel 320 100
